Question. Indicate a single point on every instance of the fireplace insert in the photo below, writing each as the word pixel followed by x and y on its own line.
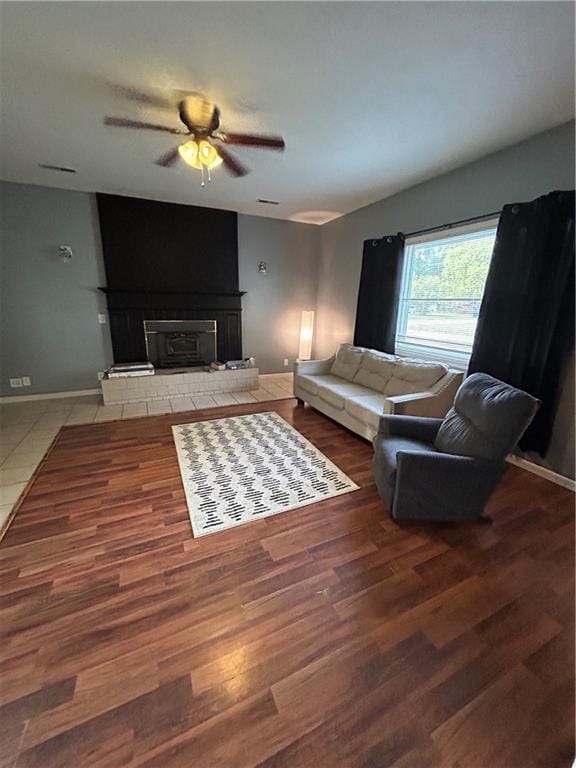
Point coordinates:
pixel 180 343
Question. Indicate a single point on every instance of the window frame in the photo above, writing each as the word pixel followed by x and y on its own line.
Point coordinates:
pixel 454 358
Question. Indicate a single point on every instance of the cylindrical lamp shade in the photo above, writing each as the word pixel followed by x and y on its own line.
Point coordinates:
pixel 306 334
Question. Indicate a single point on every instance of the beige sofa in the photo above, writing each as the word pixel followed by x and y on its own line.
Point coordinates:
pixel 356 386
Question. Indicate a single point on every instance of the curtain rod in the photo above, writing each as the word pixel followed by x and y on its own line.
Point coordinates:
pixel 453 224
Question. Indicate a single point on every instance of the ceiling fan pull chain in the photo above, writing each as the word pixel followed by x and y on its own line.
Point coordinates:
pixel 209 177
pixel 202 172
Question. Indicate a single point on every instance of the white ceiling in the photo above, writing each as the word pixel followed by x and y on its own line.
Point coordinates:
pixel 370 97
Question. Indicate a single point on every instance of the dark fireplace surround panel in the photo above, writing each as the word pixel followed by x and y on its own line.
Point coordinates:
pixel 169 262
pixel 127 312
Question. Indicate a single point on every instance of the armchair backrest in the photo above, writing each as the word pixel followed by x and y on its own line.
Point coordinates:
pixel 487 419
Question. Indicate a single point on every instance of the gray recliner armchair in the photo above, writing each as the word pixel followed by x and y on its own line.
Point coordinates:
pixel 446 469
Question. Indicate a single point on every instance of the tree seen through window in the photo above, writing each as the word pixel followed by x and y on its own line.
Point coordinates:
pixel 442 289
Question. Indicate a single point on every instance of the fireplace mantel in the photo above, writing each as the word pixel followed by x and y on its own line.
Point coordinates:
pixel 119 298
pixel 168 293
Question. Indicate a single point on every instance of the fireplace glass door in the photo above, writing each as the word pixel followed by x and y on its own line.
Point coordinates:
pixel 180 343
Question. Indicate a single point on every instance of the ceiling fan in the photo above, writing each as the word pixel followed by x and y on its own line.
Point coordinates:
pixel 205 149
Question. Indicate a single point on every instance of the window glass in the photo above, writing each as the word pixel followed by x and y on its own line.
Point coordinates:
pixel 442 287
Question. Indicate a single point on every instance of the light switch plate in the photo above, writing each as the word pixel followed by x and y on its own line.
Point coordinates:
pixel 102 318
pixel 15 383
pixel 26 381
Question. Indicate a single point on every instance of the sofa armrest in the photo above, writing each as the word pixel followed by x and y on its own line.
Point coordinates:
pixel 443 486
pixel 417 427
pixel 445 391
pixel 435 402
pixel 415 404
pixel 313 367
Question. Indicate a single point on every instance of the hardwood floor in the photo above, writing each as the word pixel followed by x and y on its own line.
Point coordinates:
pixel 328 636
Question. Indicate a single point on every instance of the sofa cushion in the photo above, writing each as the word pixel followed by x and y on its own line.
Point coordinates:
pixel 335 391
pixel 412 376
pixel 347 362
pixel 308 383
pixel 376 370
pixel 366 409
pixel 487 419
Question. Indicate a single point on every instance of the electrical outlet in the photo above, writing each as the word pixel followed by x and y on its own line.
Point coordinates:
pixel 100 375
pixel 285 361
pixel 15 383
pixel 101 318
pixel 26 381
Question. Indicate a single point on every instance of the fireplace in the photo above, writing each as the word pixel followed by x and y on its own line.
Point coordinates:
pixel 128 311
pixel 180 343
pixel 169 262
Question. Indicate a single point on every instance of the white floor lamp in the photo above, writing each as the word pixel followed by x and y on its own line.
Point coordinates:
pixel 306 334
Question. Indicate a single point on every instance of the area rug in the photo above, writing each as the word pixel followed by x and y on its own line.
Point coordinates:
pixel 245 468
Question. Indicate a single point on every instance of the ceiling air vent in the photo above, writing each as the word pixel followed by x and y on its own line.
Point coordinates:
pixel 60 168
pixel 268 202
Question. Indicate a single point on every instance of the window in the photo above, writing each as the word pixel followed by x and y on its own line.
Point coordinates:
pixel 442 286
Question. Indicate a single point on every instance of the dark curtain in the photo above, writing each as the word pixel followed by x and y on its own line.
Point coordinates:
pixel 379 293
pixel 526 323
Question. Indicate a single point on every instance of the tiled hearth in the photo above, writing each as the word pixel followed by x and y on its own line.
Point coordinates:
pixel 28 428
pixel 174 384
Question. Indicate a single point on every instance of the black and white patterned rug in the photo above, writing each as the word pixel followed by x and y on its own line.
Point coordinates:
pixel 245 468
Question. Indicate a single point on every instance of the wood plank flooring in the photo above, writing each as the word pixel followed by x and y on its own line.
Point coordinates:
pixel 328 636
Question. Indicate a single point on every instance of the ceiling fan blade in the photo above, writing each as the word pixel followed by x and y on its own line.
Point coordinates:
pixel 123 122
pixel 144 97
pixel 168 158
pixel 233 166
pixel 253 140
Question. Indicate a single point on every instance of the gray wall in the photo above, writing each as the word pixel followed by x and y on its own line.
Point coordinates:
pixel 273 302
pixel 49 309
pixel 522 172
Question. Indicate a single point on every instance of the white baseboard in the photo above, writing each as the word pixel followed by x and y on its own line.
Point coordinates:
pixel 538 469
pixel 49 396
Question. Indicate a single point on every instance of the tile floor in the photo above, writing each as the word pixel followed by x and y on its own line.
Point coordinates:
pixel 28 428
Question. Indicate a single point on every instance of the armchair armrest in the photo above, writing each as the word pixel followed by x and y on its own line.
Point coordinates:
pixel 443 486
pixel 313 367
pixel 417 427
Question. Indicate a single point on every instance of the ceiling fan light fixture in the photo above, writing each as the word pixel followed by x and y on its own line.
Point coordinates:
pixel 189 153
pixel 209 156
pixel 199 155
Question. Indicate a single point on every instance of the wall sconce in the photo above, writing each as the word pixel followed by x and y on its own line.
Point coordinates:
pixel 306 334
pixel 65 252
pixel 262 267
